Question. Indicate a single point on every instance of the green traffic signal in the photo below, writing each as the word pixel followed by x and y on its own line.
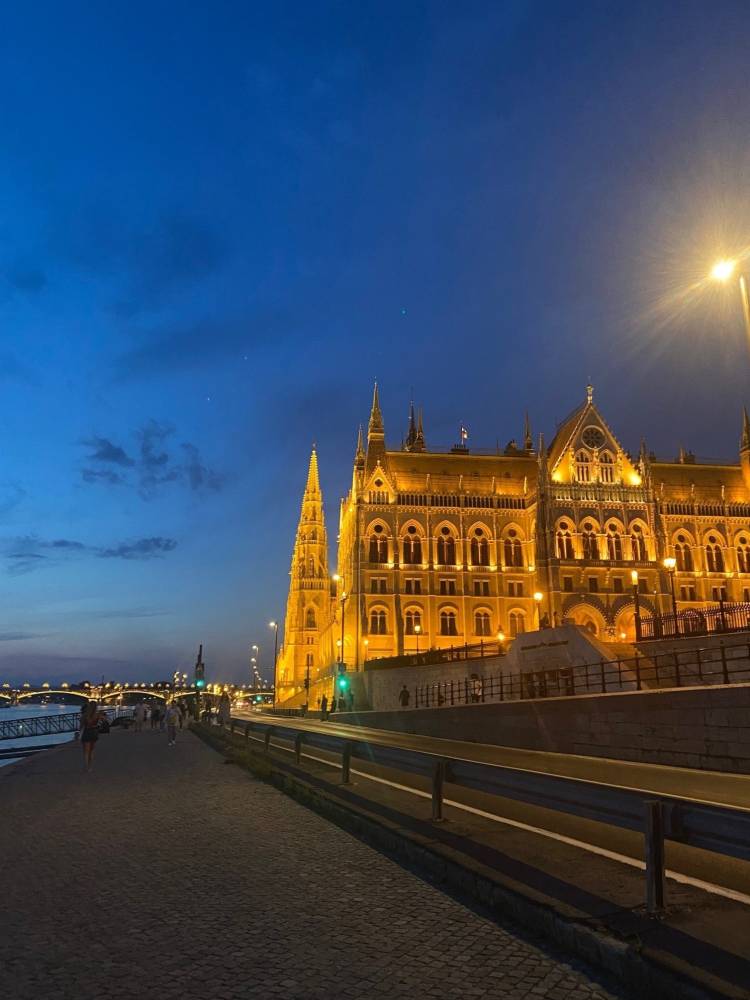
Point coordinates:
pixel 200 683
pixel 343 683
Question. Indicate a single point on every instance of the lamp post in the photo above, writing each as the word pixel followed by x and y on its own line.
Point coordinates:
pixel 255 658
pixel 637 602
pixel 724 271
pixel 538 598
pixel 366 644
pixel 669 565
pixel 275 627
pixel 417 630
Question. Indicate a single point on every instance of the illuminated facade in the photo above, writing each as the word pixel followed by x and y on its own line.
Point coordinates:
pixel 446 548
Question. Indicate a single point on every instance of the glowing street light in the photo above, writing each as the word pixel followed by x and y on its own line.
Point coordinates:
pixel 669 565
pixel 538 598
pixel 723 271
pixel 417 630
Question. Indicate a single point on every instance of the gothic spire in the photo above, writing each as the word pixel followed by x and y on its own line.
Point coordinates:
pixel 528 441
pixel 411 437
pixel 313 483
pixel 359 457
pixel 745 440
pixel 419 444
pixel 375 425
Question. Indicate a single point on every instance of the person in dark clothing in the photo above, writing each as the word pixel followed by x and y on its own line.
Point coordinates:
pixel 403 697
pixel 90 717
pixel 333 705
pixel 350 698
pixel 323 707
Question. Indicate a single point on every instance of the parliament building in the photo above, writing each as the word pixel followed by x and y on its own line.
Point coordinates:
pixel 441 548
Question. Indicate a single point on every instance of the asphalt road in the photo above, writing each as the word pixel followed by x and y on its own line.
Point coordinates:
pixel 724 873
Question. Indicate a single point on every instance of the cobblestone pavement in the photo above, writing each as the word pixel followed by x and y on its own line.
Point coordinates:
pixel 167 870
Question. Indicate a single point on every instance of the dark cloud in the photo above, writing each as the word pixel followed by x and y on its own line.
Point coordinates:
pixel 103 450
pixel 144 548
pixel 157 463
pixel 24 555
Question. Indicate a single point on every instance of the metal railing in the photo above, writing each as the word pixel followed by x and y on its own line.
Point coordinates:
pixel 721 617
pixel 47 725
pixel 448 654
pixel 725 664
pixel 721 829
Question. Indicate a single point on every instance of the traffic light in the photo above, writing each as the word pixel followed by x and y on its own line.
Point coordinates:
pixel 200 683
pixel 343 681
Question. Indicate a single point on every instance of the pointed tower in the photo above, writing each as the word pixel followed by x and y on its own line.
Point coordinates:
pixel 419 444
pixel 359 457
pixel 411 436
pixel 307 608
pixel 528 441
pixel 375 434
pixel 745 448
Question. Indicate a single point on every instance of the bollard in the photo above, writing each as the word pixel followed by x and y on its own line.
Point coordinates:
pixel 346 764
pixel 654 856
pixel 267 740
pixel 438 780
pixel 298 747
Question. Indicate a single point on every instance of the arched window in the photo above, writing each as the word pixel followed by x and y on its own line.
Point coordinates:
pixel 378 545
pixel 448 622
pixel 564 542
pixel 683 554
pixel 311 566
pixel 480 549
pixel 313 535
pixel 714 555
pixel 481 623
pixel 446 548
pixel 583 467
pixel 516 623
pixel 588 542
pixel 614 543
pixel 378 622
pixel 606 468
pixel 638 544
pixel 310 618
pixel 743 555
pixel 412 619
pixel 412 546
pixel 512 549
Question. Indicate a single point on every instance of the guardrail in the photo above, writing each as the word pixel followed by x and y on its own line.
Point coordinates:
pixel 48 725
pixel 725 664
pixel 721 617
pixel 721 829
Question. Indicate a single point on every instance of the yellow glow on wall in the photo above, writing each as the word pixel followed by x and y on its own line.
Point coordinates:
pixel 557 476
pixel 634 479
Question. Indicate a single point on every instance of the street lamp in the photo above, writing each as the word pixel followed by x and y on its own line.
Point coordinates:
pixel 669 565
pixel 538 598
pixel 723 271
pixel 637 602
pixel 417 630
pixel 367 643
pixel 275 627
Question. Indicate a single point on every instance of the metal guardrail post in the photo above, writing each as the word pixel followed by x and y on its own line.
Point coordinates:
pixel 677 676
pixel 724 671
pixel 438 780
pixel 298 747
pixel 267 740
pixel 346 764
pixel 603 676
pixel 654 856
pixel 700 665
pixel 637 672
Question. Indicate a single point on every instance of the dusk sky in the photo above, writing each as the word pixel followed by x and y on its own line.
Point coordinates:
pixel 220 222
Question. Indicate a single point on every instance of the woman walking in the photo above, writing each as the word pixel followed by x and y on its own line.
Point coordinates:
pixel 90 717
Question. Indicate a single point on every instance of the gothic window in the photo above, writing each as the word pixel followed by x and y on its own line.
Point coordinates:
pixel 412 619
pixel 516 623
pixel 480 550
pixel 683 554
pixel 606 468
pixel 311 566
pixel 412 546
pixel 743 555
pixel 638 544
pixel 378 622
pixel 310 618
pixel 614 543
pixel 512 549
pixel 448 623
pixel 588 542
pixel 313 535
pixel 378 545
pixel 583 467
pixel 564 542
pixel 446 548
pixel 714 555
pixel 481 623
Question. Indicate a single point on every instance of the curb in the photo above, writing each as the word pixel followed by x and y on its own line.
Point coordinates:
pixel 652 973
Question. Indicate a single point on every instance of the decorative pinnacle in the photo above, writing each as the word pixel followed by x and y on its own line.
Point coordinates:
pixel 745 440
pixel 313 483
pixel 589 393
pixel 375 425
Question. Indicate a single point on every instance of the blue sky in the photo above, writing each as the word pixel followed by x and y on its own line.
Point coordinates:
pixel 219 222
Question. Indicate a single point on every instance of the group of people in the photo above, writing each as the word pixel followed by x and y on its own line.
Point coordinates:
pixel 171 718
pixel 342 704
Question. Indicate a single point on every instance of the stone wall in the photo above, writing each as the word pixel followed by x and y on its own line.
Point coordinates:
pixel 707 728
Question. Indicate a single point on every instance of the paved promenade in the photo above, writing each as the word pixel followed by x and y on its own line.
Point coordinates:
pixel 168 872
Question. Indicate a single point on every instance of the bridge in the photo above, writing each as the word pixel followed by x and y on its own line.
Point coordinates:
pixel 124 693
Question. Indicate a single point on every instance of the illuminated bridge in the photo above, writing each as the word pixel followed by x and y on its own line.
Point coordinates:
pixel 127 693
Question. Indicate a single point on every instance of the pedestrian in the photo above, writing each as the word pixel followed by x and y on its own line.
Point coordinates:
pixel 139 716
pixel 333 705
pixel 162 718
pixel 154 717
pixel 90 717
pixel 182 713
pixel 173 717
pixel 403 697
pixel 225 709
pixel 324 707
pixel 350 698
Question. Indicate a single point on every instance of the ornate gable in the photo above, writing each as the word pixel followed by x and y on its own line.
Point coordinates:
pixel 586 450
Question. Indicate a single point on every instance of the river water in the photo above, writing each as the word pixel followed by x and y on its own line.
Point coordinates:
pixel 23 711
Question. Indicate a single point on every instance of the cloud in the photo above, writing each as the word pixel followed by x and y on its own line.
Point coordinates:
pixel 144 548
pixel 27 554
pixel 103 450
pixel 155 465
pixel 118 613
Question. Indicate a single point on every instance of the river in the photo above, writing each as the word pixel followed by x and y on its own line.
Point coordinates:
pixel 25 711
